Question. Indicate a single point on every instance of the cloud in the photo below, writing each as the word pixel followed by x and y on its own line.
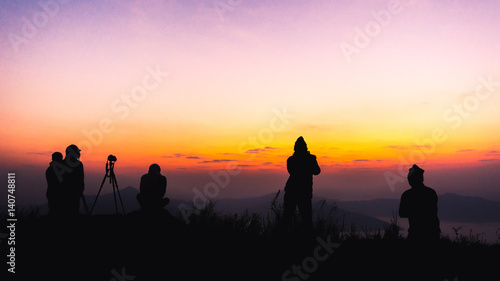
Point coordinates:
pixel 361 160
pixel 465 150
pixel 257 150
pixel 487 160
pixel 422 146
pixel 46 153
pixel 228 153
pixel 267 163
pixel 493 152
pixel 216 161
pixel 179 155
pixel 396 147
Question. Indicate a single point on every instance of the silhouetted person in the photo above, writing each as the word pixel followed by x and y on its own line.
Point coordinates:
pixel 55 184
pixel 301 166
pixel 73 180
pixel 419 205
pixel 153 188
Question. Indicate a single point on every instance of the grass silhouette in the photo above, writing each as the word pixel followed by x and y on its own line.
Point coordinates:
pixel 247 246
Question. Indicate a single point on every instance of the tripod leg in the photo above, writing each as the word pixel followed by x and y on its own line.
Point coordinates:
pixel 114 193
pixel 85 207
pixel 97 196
pixel 118 191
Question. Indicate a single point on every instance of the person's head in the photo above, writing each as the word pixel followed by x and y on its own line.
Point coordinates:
pixel 57 156
pixel 300 145
pixel 416 176
pixel 73 151
pixel 154 169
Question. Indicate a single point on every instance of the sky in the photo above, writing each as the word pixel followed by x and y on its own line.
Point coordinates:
pixel 216 92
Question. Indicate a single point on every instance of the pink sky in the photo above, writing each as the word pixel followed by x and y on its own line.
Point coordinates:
pixel 423 87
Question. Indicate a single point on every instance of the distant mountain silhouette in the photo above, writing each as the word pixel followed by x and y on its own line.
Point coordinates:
pixel 106 204
pixel 262 204
pixel 451 207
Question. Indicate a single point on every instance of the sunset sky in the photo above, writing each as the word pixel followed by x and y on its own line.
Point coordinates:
pixel 202 86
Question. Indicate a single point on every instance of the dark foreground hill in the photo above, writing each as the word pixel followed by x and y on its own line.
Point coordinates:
pixel 159 247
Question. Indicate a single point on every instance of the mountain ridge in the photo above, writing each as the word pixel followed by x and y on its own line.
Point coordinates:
pixel 451 207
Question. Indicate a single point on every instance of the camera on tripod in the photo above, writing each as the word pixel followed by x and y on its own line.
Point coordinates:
pixel 110 173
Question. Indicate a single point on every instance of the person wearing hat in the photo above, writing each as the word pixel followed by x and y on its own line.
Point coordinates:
pixel 419 205
pixel 301 166
pixel 73 180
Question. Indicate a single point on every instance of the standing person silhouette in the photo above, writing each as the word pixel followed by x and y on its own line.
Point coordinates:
pixel 153 188
pixel 73 180
pixel 301 166
pixel 54 184
pixel 419 205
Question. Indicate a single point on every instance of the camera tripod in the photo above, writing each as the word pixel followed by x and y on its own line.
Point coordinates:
pixel 110 165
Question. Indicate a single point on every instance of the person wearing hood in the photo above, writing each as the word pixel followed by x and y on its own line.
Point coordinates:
pixel 301 166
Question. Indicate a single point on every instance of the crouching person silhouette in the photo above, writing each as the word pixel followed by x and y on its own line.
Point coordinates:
pixel 419 205
pixel 301 166
pixel 153 188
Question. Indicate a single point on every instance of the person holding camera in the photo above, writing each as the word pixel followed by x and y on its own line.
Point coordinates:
pixel 301 166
